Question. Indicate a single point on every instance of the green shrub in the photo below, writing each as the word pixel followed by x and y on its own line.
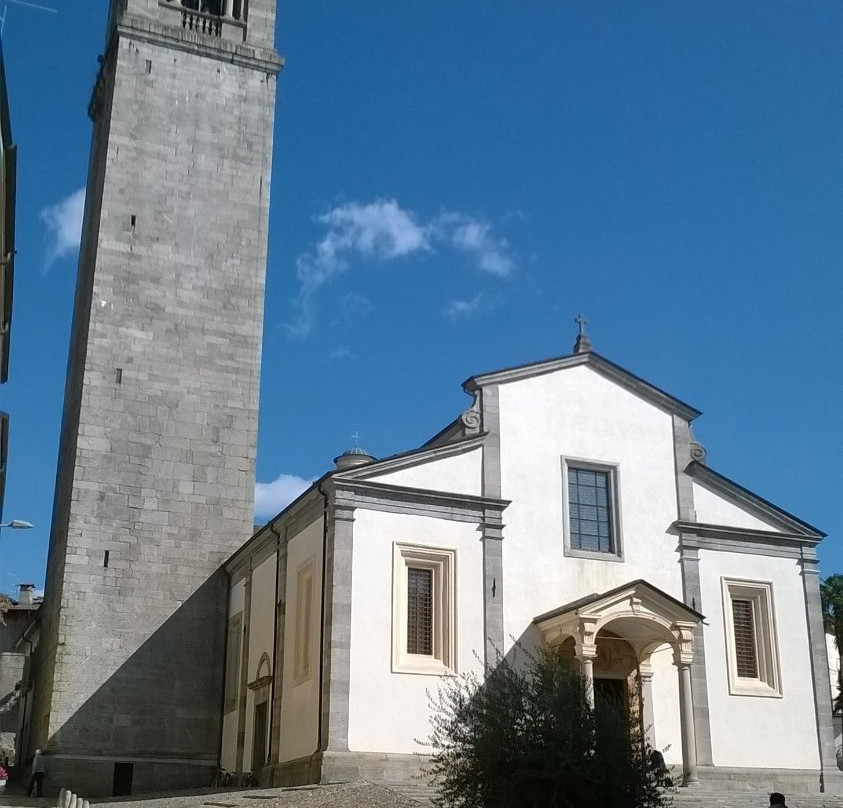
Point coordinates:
pixel 526 737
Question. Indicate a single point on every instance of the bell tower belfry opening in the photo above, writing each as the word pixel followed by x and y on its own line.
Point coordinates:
pixel 155 479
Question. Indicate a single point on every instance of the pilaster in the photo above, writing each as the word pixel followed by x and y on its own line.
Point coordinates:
pixel 648 719
pixel 819 667
pixel 278 661
pixel 689 560
pixel 336 647
pixel 493 628
pixel 492 445
pixel 243 689
pixel 685 450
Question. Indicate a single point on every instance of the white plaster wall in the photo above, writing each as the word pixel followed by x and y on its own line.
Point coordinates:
pixel 460 474
pixel 667 729
pixel 389 711
pixel 753 730
pixel 578 413
pixel 261 629
pixel 228 751
pixel 833 664
pixel 299 729
pixel 712 509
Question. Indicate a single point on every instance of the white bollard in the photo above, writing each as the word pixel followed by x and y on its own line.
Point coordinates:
pixel 73 800
pixel 68 796
pixel 60 802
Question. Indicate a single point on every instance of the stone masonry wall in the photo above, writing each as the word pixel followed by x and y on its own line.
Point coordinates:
pixel 156 474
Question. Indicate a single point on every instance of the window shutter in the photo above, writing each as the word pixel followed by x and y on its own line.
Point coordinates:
pixel 419 611
pixel 746 653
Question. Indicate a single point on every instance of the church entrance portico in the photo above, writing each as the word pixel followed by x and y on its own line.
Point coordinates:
pixel 614 636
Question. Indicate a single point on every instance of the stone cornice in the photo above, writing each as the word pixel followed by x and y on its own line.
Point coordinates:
pixel 299 513
pixel 415 501
pixel 698 536
pixel 170 36
pixel 426 454
pixel 791 525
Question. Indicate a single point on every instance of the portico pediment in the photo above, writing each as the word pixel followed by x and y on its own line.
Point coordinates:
pixel 638 611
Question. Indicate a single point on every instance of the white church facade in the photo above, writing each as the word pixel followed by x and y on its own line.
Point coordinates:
pixel 568 506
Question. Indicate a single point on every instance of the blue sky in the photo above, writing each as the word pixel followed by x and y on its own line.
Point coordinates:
pixel 452 184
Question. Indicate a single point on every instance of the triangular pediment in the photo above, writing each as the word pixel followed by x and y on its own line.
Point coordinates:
pixel 601 365
pixel 637 602
pixel 722 503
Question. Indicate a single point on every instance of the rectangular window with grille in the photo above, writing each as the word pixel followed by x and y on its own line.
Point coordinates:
pixel 746 657
pixel 423 609
pixel 751 646
pixel 419 611
pixel 590 516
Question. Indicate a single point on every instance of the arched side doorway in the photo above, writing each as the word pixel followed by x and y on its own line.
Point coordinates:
pixel 613 636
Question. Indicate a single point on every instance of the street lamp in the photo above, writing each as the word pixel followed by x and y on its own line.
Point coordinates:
pixel 18 524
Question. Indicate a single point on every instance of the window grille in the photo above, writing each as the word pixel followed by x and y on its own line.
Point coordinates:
pixel 589 502
pixel 419 611
pixel 746 654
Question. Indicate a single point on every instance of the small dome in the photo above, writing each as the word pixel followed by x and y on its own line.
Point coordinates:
pixel 353 457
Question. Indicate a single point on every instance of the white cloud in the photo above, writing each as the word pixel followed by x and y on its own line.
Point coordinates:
pixel 343 352
pixel 475 237
pixel 271 498
pixel 456 309
pixel 64 226
pixel 380 230
pixel 355 306
pixel 383 231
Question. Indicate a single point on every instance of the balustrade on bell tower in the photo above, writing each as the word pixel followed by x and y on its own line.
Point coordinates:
pixel 239 21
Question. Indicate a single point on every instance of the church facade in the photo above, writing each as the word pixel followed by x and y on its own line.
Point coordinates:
pixel 570 507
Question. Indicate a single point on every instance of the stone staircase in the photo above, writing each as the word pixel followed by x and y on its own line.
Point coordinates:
pixel 703 797
pixel 418 790
pixel 706 797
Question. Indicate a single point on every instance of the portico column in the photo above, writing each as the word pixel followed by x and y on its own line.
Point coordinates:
pixel 689 739
pixel 228 9
pixel 587 667
pixel 586 652
pixel 682 658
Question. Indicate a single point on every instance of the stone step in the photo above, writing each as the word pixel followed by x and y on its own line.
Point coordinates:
pixel 708 798
pixel 423 793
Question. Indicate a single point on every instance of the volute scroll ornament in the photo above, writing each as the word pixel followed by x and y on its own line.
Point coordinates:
pixel 471 418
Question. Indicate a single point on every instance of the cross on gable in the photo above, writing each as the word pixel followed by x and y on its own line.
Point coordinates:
pixel 581 322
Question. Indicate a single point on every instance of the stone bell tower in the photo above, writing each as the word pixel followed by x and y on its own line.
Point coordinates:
pixel 155 479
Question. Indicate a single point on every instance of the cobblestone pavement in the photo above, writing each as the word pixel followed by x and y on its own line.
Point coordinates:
pixel 351 795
